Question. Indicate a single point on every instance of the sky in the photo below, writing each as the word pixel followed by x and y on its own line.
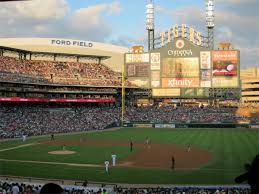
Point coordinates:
pixel 122 22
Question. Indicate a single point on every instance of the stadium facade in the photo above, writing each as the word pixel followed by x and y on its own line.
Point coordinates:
pixel 45 48
pixel 250 85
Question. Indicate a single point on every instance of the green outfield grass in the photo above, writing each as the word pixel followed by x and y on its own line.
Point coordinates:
pixel 231 148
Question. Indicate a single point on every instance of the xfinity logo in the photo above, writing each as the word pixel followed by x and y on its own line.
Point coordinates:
pixel 183 82
pixel 71 43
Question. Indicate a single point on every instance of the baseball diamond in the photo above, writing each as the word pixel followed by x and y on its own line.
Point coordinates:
pixel 210 160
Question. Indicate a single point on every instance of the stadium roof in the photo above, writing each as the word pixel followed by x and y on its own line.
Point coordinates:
pixel 62 46
pixel 52 53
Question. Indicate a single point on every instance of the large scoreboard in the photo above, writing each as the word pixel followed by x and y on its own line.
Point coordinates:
pixel 182 69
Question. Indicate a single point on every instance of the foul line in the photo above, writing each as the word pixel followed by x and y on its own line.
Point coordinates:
pixel 211 170
pixel 56 163
pixel 20 146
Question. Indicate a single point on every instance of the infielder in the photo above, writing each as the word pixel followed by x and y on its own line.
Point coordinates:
pixel 148 143
pixel 114 159
pixel 24 138
pixel 189 148
pixel 106 164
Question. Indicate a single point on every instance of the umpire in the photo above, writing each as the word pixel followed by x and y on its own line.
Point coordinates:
pixel 131 146
pixel 173 163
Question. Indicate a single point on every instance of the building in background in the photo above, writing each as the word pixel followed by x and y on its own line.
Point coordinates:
pixel 250 85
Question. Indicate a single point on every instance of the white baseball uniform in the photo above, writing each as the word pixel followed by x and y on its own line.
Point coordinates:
pixel 106 163
pixel 24 138
pixel 114 159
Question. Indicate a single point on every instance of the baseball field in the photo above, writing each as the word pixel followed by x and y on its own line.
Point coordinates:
pixel 216 156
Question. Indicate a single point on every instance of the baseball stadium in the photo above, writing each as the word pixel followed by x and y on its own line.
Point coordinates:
pixel 177 117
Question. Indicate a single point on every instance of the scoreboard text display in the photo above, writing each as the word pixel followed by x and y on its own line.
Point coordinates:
pixel 180 67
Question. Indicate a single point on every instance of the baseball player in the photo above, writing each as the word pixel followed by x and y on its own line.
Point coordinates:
pixel 147 142
pixel 131 145
pixel 173 162
pixel 114 159
pixel 188 148
pixel 106 164
pixel 24 138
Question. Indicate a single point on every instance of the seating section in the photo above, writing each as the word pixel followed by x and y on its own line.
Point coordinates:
pixel 71 73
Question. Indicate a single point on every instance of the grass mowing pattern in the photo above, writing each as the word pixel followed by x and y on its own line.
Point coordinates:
pixel 231 149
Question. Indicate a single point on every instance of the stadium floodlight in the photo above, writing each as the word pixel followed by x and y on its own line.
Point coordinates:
pixel 150 16
pixel 210 20
pixel 210 13
pixel 150 24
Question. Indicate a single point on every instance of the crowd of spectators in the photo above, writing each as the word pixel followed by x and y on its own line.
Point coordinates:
pixel 71 73
pixel 181 114
pixel 29 188
pixel 16 121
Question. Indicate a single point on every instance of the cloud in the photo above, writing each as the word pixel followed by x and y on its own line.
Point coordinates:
pixel 35 9
pixel 128 41
pixel 235 22
pixel 54 18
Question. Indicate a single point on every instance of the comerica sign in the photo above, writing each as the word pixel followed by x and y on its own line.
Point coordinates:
pixel 180 53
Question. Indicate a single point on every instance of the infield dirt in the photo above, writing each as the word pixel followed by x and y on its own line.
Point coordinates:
pixel 153 156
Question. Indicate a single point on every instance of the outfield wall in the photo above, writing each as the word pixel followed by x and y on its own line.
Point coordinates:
pixel 188 125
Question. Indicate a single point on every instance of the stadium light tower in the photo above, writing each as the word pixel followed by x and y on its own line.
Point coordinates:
pixel 210 18
pixel 150 25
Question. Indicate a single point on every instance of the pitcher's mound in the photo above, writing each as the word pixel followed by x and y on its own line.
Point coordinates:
pixel 62 152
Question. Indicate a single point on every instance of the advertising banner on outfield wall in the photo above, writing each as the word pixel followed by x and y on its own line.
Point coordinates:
pixel 180 82
pixel 164 126
pixel 143 125
pixel 161 92
pixel 137 58
pixel 61 100
pixel 225 63
pixel 155 61
pixel 205 58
